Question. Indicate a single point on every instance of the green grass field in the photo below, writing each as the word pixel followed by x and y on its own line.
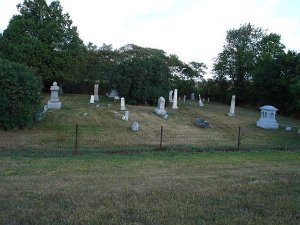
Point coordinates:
pixel 157 188
pixel 178 185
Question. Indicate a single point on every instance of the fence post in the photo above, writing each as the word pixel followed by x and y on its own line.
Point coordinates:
pixel 161 137
pixel 239 138
pixel 76 140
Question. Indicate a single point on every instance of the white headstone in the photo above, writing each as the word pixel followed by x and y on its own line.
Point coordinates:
pixel 135 126
pixel 171 96
pixel 92 99
pixel 184 97
pixel 123 104
pixel 126 115
pixel 200 101
pixel 54 102
pixel 174 106
pixel 207 100
pixel 96 90
pixel 232 106
pixel 160 109
pixel 267 117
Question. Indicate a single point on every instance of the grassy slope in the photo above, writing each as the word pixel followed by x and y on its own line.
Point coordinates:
pixel 104 124
pixel 165 188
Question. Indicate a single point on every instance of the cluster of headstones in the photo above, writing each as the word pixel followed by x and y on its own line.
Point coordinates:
pixel 266 121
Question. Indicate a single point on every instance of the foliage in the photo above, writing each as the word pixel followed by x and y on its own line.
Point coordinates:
pixel 19 96
pixel 43 38
pixel 142 80
pixel 257 69
pixel 237 60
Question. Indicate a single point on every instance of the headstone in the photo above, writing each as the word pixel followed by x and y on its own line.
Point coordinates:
pixel 174 106
pixel 92 99
pixel 123 104
pixel 184 97
pixel 160 109
pixel 96 90
pixel 288 128
pixel 200 122
pixel 126 115
pixel 171 96
pixel 135 126
pixel 193 96
pixel 267 117
pixel 232 106
pixel 45 108
pixel 298 131
pixel 208 100
pixel 54 102
pixel 200 101
pixel 113 93
pixel 203 100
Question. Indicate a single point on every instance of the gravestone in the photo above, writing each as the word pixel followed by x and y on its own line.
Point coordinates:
pixel 123 104
pixel 126 115
pixel 113 93
pixel 208 100
pixel 96 91
pixel 135 126
pixel 200 122
pixel 232 106
pixel 174 106
pixel 203 100
pixel 193 96
pixel 160 109
pixel 298 131
pixel 184 98
pixel 171 96
pixel 54 102
pixel 267 117
pixel 200 101
pixel 92 99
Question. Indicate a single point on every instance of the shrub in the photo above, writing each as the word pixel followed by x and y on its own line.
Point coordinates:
pixel 19 95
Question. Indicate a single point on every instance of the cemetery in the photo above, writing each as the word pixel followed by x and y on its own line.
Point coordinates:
pixel 105 126
pixel 136 135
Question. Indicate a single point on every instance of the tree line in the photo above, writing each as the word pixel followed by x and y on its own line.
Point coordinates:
pixel 254 64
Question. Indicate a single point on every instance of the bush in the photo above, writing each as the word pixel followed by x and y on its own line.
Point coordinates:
pixel 19 96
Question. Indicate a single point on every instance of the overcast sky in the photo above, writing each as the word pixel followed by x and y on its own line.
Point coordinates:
pixel 194 30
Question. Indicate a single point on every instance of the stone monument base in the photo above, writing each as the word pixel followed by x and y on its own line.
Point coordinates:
pixel 54 104
pixel 267 125
pixel 160 111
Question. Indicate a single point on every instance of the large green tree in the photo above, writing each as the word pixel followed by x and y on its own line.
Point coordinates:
pixel 43 38
pixel 237 60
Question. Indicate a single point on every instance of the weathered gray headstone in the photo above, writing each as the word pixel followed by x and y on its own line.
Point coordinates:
pixel 184 98
pixel 160 109
pixel 54 102
pixel 200 122
pixel 267 117
pixel 193 96
pixel 126 115
pixel 96 92
pixel 135 126
pixel 232 106
pixel 171 96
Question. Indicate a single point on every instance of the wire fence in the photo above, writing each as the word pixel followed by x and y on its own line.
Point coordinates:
pixel 76 139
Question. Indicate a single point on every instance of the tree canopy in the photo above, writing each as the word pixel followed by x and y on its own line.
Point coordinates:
pixel 43 38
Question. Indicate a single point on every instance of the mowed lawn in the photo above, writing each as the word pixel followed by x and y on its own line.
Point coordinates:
pixel 152 188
